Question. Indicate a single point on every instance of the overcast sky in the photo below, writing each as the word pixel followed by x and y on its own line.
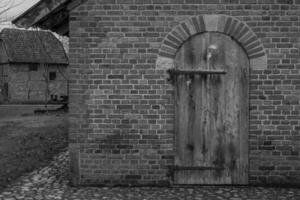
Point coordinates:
pixel 21 8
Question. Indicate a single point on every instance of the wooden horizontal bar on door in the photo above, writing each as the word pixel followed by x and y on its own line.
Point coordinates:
pixel 175 71
pixel 176 167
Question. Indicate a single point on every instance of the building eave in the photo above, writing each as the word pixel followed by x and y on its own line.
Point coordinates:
pixel 48 14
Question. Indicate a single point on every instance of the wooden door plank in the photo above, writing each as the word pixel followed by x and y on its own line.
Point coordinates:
pixel 182 108
pixel 200 148
pixel 244 122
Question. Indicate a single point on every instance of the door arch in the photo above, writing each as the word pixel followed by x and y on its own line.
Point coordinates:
pixel 228 25
pixel 241 35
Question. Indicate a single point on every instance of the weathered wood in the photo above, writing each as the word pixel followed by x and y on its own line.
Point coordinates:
pixel 38 12
pixel 193 72
pixel 195 168
pixel 182 122
pixel 211 112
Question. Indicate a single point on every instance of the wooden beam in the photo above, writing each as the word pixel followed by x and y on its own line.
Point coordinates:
pixel 73 4
pixel 177 167
pixel 54 20
pixel 191 72
pixel 36 13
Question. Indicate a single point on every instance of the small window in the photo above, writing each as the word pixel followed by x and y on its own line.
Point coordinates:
pixel 33 67
pixel 52 76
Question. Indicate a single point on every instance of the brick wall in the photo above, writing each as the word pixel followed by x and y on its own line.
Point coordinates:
pixel 122 106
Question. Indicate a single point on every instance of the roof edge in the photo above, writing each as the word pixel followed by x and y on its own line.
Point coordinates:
pixel 42 9
pixel 14 21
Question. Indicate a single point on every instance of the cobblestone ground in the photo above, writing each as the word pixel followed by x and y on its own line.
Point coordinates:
pixel 51 183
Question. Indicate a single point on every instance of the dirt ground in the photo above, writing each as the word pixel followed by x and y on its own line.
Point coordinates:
pixel 27 140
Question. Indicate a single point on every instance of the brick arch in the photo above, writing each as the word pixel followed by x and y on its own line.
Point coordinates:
pixel 228 25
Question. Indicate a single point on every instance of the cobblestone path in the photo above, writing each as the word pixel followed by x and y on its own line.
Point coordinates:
pixel 51 183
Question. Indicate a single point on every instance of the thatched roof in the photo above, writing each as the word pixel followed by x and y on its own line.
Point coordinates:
pixel 23 46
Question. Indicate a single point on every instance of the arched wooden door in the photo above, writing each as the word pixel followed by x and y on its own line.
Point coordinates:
pixel 211 77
